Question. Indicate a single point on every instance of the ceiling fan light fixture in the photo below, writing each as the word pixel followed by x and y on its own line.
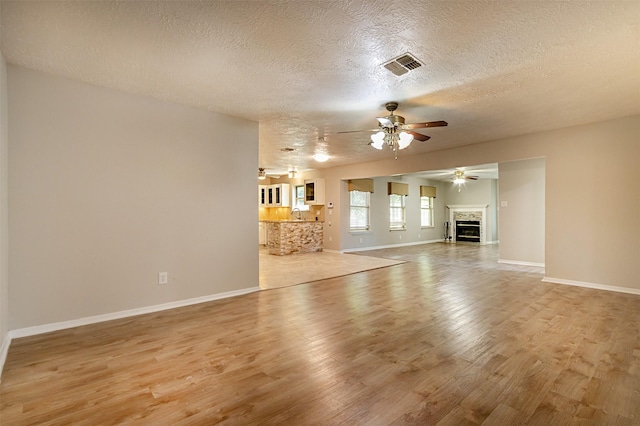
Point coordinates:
pixel 404 140
pixel 377 140
pixel 394 131
pixel 458 177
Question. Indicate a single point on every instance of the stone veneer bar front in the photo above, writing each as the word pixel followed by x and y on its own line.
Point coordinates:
pixel 289 237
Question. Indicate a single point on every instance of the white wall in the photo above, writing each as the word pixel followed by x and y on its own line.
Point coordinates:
pixel 592 217
pixel 107 189
pixel 522 225
pixel 379 234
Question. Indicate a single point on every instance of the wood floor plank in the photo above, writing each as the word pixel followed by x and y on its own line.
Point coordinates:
pixel 448 337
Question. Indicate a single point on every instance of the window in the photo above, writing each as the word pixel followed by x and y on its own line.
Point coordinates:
pixel 396 212
pixel 426 212
pixel 358 211
pixel 298 198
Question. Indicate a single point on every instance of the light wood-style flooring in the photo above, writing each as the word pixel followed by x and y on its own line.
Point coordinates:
pixel 450 337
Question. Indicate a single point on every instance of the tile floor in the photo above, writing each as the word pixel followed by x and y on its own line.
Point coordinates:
pixel 284 271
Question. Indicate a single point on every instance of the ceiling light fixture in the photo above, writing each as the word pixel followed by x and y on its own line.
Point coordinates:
pixel 292 173
pixel 321 151
pixel 393 131
pixel 394 140
pixel 458 177
pixel 321 157
pixel 262 175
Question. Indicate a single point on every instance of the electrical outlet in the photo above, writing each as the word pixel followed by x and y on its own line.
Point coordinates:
pixel 360 240
pixel 163 278
pixel 400 235
pixel 330 238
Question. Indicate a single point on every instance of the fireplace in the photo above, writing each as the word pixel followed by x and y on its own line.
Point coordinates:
pixel 468 230
pixel 469 222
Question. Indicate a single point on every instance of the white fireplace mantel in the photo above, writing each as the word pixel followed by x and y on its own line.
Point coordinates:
pixel 455 208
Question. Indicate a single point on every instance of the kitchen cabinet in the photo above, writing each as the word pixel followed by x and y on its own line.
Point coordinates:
pixel 262 233
pixel 262 195
pixel 278 195
pixel 314 191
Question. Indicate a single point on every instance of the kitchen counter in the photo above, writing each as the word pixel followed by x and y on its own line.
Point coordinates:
pixel 286 237
pixel 290 221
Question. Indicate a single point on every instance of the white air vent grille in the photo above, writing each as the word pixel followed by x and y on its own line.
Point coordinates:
pixel 402 64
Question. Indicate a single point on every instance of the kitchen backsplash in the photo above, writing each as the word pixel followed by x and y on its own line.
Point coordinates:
pixel 284 213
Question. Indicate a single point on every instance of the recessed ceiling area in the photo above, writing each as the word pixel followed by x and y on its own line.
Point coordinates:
pixel 308 70
pixel 482 171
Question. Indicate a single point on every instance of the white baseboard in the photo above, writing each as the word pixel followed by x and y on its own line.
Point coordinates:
pixel 46 328
pixel 4 350
pixel 520 263
pixel 416 243
pixel 592 285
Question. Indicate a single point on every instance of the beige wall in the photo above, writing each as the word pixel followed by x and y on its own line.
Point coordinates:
pixel 107 189
pixel 592 218
pixel 474 192
pixel 593 204
pixel 4 214
pixel 380 235
pixel 522 220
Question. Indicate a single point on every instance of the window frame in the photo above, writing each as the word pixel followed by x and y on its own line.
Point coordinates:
pixel 430 212
pixel 395 225
pixel 294 196
pixel 367 208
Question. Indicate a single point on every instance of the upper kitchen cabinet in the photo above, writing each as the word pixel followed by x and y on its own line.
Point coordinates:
pixel 262 195
pixel 314 191
pixel 278 195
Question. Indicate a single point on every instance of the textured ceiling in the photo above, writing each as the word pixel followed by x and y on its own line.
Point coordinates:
pixel 307 69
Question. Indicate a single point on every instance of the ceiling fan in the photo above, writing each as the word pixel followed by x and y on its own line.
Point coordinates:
pixel 262 174
pixel 459 177
pixel 397 134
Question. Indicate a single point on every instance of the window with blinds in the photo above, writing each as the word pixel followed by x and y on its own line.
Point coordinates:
pixel 397 212
pixel 298 197
pixel 426 212
pixel 359 210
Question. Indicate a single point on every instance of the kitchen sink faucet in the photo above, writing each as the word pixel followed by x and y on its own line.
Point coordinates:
pixel 299 216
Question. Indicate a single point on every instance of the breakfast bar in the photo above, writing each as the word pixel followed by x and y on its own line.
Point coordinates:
pixel 286 237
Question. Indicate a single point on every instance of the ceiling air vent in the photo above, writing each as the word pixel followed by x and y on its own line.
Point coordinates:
pixel 402 64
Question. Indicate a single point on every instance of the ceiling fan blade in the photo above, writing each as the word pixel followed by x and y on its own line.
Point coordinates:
pixel 471 177
pixel 358 131
pixel 427 124
pixel 418 136
pixel 384 122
